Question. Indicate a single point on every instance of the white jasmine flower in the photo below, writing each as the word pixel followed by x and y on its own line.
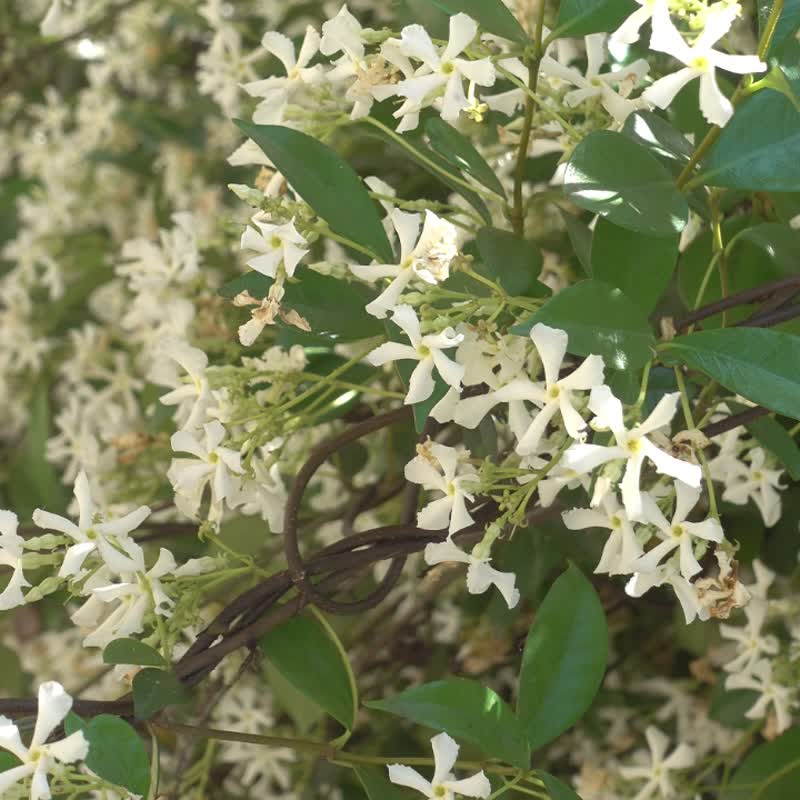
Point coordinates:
pixel 632 445
pixel 212 464
pixel 437 468
pixel 441 74
pixel 480 575
pixel 761 679
pixel 642 582
pixel 276 244
pixel 628 31
pixel 192 397
pixel 342 34
pixel 753 480
pixel 659 782
pixel 701 60
pixel 426 256
pixel 110 537
pixel 277 90
pixel 677 533
pixel 138 593
pixel 40 759
pixel 443 786
pixel 553 397
pixel 11 549
pixel 597 84
pixel 622 548
pixel 266 495
pixel 751 643
pixel 427 350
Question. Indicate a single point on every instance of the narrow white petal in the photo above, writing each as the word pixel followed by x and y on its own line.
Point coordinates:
pixel 54 705
pixel 445 755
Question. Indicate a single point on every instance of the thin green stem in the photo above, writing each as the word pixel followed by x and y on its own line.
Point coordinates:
pixel 432 165
pixel 687 413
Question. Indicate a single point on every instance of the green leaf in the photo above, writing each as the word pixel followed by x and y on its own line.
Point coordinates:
pixel 459 151
pixel 154 689
pixel 564 659
pixel 760 365
pixel 491 15
pixel 640 265
pixel 131 651
pixel 377 785
pixel 467 711
pixel 33 482
pixel 729 706
pixel 758 148
pixel 788 23
pixel 581 17
pixel 326 182
pixel 412 146
pixel 580 237
pixel 770 772
pixel 304 652
pixel 659 137
pixel 515 263
pixel 334 307
pixel 8 761
pixel 116 752
pixel 771 435
pixel 780 243
pixel 558 790
pixel 599 319
pixel 621 180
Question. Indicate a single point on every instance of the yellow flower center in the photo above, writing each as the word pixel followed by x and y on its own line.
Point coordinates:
pixel 678 531
pixel 701 63
pixel 448 68
pixel 275 242
pixel 554 392
pixel 423 351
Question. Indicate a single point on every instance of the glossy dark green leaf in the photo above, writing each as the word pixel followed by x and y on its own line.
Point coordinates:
pixel 788 23
pixel 467 711
pixel 326 182
pixel 439 167
pixel 770 772
pixel 116 752
pixel 564 659
pixel 772 436
pixel 758 149
pixel 729 706
pixel 558 790
pixel 581 17
pixel 492 15
pixel 333 307
pixel 515 263
pixel 780 243
pixel 460 152
pixel 154 689
pixel 580 237
pixel 377 785
pixel 599 319
pixel 618 178
pixel 640 265
pixel 33 482
pixel 758 364
pixel 132 651
pixel 303 651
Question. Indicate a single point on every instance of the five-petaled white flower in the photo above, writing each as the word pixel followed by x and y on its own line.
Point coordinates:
pixel 553 397
pixel 444 786
pixel 110 537
pixel 596 84
pixel 426 256
pixel 657 773
pixel 213 465
pixel 632 445
pixel 276 244
pixel 701 60
pixel 191 397
pixel 761 679
pixel 757 482
pixel 11 547
pixel 139 592
pixel 425 349
pixel 39 759
pixel 622 548
pixel 480 575
pixel 440 73
pixel 437 468
pixel 677 533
